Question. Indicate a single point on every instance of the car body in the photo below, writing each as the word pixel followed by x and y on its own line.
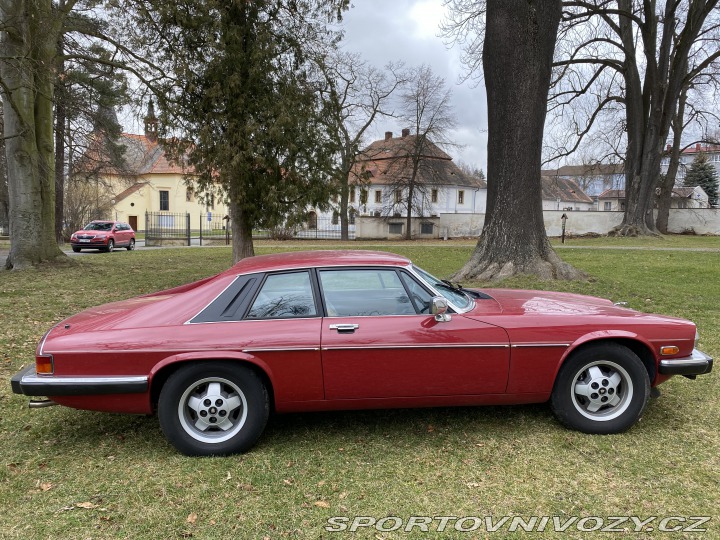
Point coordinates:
pixel 331 330
pixel 103 235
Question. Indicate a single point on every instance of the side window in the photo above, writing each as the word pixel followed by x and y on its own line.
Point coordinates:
pixel 284 296
pixel 364 292
pixel 420 297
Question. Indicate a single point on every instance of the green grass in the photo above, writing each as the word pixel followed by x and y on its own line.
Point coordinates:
pixel 78 474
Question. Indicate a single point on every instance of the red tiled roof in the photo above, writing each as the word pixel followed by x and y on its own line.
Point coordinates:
pixel 554 188
pixel 612 194
pixel 388 161
pixel 141 156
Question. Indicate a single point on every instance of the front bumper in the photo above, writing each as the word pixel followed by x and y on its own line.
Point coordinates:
pixel 698 363
pixel 29 383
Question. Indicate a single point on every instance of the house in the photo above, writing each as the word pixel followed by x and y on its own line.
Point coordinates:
pixel 712 151
pixel 562 194
pixel 382 171
pixel 144 180
pixel 594 178
pixel 613 200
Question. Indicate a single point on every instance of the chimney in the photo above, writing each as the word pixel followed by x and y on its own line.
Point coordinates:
pixel 388 135
pixel 698 148
pixel 405 132
pixel 669 147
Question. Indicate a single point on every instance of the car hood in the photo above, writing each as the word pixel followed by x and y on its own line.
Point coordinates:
pixel 91 231
pixel 521 302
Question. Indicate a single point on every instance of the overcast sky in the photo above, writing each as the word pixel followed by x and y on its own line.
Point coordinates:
pixel 385 31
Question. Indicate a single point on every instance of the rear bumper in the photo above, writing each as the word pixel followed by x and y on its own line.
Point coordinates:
pixel 29 383
pixel 698 363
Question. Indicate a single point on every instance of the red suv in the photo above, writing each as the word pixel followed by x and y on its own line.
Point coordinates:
pixel 103 235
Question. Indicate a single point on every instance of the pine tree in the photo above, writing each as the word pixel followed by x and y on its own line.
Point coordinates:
pixel 702 173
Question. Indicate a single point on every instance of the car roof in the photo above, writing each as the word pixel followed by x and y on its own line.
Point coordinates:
pixel 308 259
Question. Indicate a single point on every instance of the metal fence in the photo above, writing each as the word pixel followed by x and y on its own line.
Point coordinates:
pixel 315 228
pixel 214 228
pixel 163 228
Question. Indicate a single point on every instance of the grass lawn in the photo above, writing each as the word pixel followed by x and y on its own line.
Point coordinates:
pixel 77 474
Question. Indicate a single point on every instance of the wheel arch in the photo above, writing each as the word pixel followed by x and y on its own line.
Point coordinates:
pixel 163 370
pixel 642 349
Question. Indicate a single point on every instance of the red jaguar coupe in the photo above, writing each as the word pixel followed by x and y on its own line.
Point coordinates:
pixel 330 330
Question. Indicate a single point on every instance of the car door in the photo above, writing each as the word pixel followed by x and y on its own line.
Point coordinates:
pixel 379 340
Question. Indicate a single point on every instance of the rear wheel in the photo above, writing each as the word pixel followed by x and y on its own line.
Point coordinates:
pixel 213 409
pixel 601 389
pixel 110 246
pixel 131 245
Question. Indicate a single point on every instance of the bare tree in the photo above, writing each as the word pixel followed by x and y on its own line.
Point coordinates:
pixel 358 93
pixel 517 59
pixel 426 108
pixel 620 56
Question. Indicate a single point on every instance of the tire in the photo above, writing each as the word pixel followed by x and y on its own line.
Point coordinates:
pixel 602 389
pixel 131 245
pixel 76 249
pixel 213 409
pixel 110 246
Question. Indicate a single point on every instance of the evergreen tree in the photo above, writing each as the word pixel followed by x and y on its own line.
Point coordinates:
pixel 245 104
pixel 702 173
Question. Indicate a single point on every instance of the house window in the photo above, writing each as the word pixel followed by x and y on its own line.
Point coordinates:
pixel 607 205
pixel 398 196
pixel 352 193
pixel 351 216
pixel 396 228
pixel 189 194
pixel 363 196
pixel 312 220
pixel 210 201
pixel 335 198
pixel 336 217
pixel 434 195
pixel 622 206
pixel 461 197
pixel 378 196
pixel 164 201
pixel 426 228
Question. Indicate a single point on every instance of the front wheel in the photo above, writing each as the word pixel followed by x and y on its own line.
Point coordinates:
pixel 110 246
pixel 602 389
pixel 213 409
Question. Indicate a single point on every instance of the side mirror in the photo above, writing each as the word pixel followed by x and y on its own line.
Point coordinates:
pixel 439 309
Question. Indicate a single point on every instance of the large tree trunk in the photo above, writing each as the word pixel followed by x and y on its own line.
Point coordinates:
pixel 242 241
pixel 667 183
pixel 60 118
pixel 519 45
pixel 26 67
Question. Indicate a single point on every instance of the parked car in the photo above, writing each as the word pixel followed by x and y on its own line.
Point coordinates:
pixel 330 330
pixel 103 235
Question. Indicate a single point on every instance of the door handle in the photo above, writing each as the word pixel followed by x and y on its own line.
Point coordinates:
pixel 345 328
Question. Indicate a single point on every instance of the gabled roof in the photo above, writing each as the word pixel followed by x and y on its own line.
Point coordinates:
pixel 388 161
pixel 142 156
pixel 612 194
pixel 554 188
pixel 588 170
pixel 129 191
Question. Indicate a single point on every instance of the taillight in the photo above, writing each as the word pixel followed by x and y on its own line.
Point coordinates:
pixel 44 364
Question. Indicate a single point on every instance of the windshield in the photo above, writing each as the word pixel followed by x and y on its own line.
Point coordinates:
pixel 98 226
pixel 456 296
